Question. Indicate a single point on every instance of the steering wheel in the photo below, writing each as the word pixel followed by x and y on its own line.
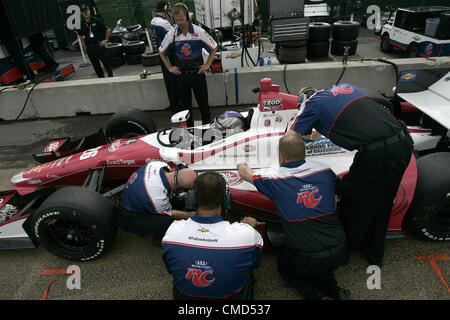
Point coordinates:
pixel 167 145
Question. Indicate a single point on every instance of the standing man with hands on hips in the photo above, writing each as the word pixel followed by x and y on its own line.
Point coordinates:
pixel 94 35
pixel 186 42
pixel 160 26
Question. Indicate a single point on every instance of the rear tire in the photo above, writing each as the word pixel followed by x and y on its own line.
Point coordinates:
pixel 128 124
pixel 385 44
pixel 429 213
pixel 76 224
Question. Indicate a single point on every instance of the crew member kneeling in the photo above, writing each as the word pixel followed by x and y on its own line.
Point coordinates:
pixel 145 207
pixel 303 193
pixel 207 256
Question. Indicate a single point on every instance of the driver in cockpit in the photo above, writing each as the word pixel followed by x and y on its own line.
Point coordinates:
pixel 225 125
pixel 231 122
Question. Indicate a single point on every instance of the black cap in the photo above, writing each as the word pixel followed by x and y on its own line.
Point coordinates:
pixel 84 8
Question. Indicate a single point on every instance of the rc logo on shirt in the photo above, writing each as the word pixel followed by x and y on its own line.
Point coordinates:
pixel 200 274
pixel 186 49
pixel 132 179
pixel 309 195
pixel 341 89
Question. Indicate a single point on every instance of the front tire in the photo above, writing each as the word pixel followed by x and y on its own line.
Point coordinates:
pixel 385 44
pixel 429 213
pixel 75 223
pixel 128 124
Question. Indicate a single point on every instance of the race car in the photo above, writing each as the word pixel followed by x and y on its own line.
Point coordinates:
pixel 67 202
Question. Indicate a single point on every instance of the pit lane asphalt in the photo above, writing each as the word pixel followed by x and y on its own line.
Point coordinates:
pixel 133 268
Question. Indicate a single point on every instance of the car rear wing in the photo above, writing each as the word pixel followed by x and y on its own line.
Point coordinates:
pixel 61 147
pixel 429 91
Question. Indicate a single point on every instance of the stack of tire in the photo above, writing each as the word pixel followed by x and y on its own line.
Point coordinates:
pixel 133 51
pixel 115 53
pixel 291 51
pixel 150 59
pixel 345 34
pixel 318 39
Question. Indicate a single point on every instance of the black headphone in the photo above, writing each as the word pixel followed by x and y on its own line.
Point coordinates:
pixel 184 8
pixel 166 6
pixel 176 192
pixel 191 200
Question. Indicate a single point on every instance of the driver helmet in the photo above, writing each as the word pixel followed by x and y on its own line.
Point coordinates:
pixel 304 94
pixel 230 120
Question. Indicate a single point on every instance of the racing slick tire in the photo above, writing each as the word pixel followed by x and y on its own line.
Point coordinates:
pixel 117 61
pixel 429 213
pixel 319 31
pixel 150 59
pixel 318 49
pixel 345 30
pixel 75 223
pixel 114 49
pixel 291 55
pixel 385 44
pixel 115 39
pixel 133 59
pixel 128 124
pixel 293 44
pixel 338 47
pixel 134 48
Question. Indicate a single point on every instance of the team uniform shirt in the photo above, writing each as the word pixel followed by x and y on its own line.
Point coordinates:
pixel 93 31
pixel 160 26
pixel 148 190
pixel 187 48
pixel 210 258
pixel 304 194
pixel 347 116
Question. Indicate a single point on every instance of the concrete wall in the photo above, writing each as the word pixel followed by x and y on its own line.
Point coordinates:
pixel 99 96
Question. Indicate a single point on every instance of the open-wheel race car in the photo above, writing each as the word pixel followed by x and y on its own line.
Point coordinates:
pixel 67 202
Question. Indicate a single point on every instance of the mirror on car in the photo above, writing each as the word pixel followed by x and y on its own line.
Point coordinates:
pixel 180 117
